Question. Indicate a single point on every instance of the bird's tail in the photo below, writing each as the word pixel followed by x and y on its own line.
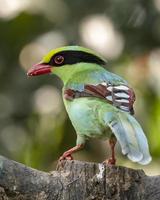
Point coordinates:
pixel 130 136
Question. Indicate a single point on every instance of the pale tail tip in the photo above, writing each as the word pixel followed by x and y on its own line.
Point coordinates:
pixel 145 161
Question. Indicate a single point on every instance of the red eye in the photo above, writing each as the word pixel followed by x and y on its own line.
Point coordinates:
pixel 59 59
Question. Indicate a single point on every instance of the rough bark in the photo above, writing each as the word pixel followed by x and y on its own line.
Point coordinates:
pixel 76 181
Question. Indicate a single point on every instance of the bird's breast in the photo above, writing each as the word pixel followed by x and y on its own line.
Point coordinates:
pixel 85 117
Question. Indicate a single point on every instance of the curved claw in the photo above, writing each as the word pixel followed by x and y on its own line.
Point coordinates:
pixel 63 157
pixel 66 157
pixel 111 161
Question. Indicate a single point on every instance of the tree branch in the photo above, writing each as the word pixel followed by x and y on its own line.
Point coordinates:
pixel 76 181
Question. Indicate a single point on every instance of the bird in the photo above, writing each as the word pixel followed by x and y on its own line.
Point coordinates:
pixel 99 103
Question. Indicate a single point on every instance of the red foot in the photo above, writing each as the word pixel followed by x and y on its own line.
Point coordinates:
pixel 63 157
pixel 111 161
pixel 66 157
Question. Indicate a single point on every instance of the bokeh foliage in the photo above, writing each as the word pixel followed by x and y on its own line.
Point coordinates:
pixel 34 131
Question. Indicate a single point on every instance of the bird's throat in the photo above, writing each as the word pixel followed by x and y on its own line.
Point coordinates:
pixel 69 72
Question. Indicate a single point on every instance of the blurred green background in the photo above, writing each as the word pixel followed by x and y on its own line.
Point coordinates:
pixel 34 127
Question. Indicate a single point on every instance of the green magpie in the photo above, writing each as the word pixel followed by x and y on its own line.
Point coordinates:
pixel 99 103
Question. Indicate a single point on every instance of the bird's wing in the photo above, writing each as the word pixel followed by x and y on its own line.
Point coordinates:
pixel 120 95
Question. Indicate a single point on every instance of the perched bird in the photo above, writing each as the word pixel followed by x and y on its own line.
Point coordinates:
pixel 99 103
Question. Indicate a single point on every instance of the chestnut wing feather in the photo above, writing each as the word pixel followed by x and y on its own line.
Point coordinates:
pixel 120 96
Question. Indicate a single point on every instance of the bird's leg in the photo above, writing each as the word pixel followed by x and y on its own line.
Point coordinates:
pixel 67 155
pixel 112 160
pixel 112 143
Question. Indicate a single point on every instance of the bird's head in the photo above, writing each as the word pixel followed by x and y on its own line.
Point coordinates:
pixel 65 59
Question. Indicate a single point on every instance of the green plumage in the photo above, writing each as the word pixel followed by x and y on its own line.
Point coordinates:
pixel 89 116
pixel 94 117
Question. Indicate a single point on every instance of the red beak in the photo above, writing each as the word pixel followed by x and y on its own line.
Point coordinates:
pixel 39 69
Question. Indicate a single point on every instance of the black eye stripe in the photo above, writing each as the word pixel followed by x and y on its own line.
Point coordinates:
pixel 73 57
